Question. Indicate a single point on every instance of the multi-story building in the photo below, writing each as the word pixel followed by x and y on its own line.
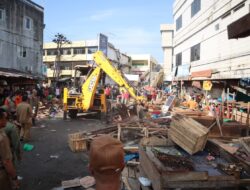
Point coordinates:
pixel 21 39
pixel 202 50
pixel 167 33
pixel 142 63
pixel 80 53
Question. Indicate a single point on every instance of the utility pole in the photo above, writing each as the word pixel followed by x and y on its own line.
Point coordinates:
pixel 60 40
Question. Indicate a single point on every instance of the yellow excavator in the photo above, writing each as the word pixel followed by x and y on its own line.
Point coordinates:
pixel 91 99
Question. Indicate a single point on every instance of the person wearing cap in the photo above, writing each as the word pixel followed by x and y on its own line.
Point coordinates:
pixel 106 162
pixel 8 175
pixel 24 117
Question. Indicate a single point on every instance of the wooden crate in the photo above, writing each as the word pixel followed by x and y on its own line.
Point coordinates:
pixel 162 179
pixel 241 117
pixel 77 142
pixel 188 133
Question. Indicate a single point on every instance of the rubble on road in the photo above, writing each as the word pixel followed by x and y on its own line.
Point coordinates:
pixel 176 147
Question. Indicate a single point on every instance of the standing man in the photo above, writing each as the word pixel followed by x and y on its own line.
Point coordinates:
pixel 34 103
pixel 57 92
pixel 8 176
pixel 24 116
pixel 106 162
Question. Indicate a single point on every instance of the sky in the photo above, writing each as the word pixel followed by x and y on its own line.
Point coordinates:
pixel 132 26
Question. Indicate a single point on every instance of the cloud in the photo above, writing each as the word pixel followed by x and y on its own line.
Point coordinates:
pixel 102 15
pixel 137 40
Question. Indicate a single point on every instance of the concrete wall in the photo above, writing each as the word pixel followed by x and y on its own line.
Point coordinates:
pixel 227 59
pixel 20 46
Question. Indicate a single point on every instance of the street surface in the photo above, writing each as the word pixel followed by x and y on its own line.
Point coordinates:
pixel 51 161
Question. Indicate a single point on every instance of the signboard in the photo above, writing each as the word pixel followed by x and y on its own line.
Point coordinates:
pixel 103 44
pixel 168 104
pixel 207 85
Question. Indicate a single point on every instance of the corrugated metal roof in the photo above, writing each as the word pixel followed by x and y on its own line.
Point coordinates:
pixel 16 74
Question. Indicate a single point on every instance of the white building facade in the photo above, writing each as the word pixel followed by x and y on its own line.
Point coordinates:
pixel 167 34
pixel 80 53
pixel 142 63
pixel 201 46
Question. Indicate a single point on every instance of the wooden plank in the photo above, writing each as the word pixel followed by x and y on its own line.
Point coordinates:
pixel 126 183
pixel 245 141
pixel 215 182
pixel 143 173
pixel 230 149
pixel 152 173
pixel 154 141
pixel 71 183
pixel 119 132
pixel 185 176
pixel 153 159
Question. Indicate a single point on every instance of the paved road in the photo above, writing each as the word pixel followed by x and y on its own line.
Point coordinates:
pixel 39 170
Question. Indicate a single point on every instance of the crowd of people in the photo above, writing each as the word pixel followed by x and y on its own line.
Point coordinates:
pixel 18 113
pixel 121 95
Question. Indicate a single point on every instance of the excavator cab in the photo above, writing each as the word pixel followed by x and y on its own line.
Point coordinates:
pixel 86 91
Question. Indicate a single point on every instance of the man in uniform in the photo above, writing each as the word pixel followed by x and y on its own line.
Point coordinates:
pixel 12 132
pixel 106 162
pixel 24 116
pixel 34 103
pixel 8 176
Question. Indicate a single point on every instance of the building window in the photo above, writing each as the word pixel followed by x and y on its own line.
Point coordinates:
pixel 51 52
pixel 138 63
pixel 27 23
pixel 217 27
pixel 225 15
pixel 239 7
pixel 66 51
pixel 92 50
pixel 195 53
pixel 178 59
pixel 179 23
pixel 195 7
pixel 2 14
pixel 23 52
pixel 79 51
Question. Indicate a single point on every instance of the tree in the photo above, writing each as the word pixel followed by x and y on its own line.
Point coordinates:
pixel 60 40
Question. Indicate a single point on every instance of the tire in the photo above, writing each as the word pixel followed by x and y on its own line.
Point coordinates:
pixel 73 114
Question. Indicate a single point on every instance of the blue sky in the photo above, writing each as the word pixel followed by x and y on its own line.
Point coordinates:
pixel 133 26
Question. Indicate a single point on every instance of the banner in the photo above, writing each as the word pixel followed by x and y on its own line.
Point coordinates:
pixel 103 44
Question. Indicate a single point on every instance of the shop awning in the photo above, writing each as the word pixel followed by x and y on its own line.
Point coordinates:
pixel 204 73
pixel 12 73
pixel 240 28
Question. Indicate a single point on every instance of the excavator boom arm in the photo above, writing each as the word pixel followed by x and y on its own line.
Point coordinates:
pixel 102 62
